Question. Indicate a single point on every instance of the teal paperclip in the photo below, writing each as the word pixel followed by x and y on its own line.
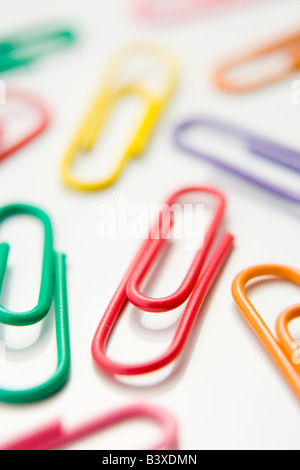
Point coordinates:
pixel 26 47
pixel 53 281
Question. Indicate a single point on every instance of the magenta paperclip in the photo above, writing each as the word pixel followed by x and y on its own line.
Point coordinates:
pixel 53 436
pixel 153 10
pixel 258 145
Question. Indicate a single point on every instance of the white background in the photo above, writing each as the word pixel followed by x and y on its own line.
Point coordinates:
pixel 225 393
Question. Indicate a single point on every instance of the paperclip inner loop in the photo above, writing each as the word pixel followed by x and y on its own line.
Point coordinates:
pixel 183 292
pixel 289 345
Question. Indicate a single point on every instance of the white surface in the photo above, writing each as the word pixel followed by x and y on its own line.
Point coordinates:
pixel 226 394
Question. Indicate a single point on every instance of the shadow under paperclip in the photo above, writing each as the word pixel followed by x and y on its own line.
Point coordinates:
pixel 177 369
pixel 34 349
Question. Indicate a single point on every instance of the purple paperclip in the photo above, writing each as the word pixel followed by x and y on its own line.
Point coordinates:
pixel 259 145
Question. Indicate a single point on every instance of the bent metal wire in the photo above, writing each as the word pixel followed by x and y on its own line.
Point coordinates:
pixel 258 145
pixel 195 286
pixel 53 436
pixel 111 93
pixel 284 350
pixel 53 280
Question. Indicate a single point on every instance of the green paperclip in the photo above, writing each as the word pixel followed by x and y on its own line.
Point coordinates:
pixel 25 48
pixel 53 280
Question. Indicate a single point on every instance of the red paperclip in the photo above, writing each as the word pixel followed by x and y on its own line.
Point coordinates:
pixel 193 286
pixel 53 436
pixel 42 124
pixel 153 246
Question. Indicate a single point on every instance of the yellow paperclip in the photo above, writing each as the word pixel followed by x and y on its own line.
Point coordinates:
pixel 111 92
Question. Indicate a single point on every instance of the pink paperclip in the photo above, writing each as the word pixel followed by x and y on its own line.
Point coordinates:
pixel 53 436
pixel 153 10
pixel 42 124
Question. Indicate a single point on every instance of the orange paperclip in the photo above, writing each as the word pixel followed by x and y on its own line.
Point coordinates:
pixel 285 351
pixel 290 46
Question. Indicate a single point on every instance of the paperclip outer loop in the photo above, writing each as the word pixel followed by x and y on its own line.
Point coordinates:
pixel 277 350
pixel 42 308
